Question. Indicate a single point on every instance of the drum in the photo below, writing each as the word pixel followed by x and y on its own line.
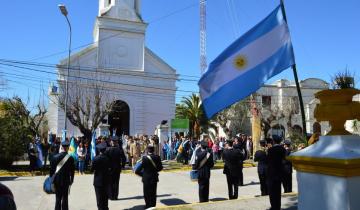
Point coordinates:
pixel 194 175
pixel 137 167
pixel 48 186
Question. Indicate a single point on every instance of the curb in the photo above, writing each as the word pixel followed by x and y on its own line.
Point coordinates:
pixel 242 198
pixel 127 171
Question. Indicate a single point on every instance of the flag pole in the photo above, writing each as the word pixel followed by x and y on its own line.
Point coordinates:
pixel 296 81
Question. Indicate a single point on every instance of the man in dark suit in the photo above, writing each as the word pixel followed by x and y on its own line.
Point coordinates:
pixel 260 156
pixel 117 159
pixel 239 144
pixel 287 178
pixel 151 165
pixel 276 156
pixel 64 177
pixel 232 168
pixel 186 148
pixel 101 167
pixel 203 163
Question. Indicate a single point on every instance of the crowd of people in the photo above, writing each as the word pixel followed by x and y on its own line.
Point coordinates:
pixel 112 154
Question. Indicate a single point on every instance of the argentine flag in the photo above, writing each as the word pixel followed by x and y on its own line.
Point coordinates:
pixel 93 146
pixel 240 70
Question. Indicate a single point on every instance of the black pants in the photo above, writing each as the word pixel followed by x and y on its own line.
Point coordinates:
pixel 287 182
pixel 32 166
pixel 113 190
pixel 241 178
pixel 101 198
pixel 62 194
pixel 274 187
pixel 150 194
pixel 263 184
pixel 233 186
pixel 186 158
pixel 203 190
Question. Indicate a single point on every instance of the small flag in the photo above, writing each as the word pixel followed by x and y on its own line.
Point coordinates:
pixel 93 145
pixel 240 70
pixel 50 139
pixel 63 137
pixel 40 158
pixel 72 148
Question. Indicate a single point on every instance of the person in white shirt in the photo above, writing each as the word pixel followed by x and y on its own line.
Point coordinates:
pixel 81 152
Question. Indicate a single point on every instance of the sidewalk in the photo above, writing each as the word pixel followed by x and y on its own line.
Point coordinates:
pixel 289 202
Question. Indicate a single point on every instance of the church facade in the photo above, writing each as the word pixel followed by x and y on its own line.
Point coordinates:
pixel 127 73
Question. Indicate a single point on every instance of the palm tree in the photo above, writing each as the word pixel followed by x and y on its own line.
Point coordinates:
pixel 191 108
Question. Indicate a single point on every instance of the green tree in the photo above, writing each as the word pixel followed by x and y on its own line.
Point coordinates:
pixel 14 134
pixel 191 108
pixel 236 118
pixel 17 127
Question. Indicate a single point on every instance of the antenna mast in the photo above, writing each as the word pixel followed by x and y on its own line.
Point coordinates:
pixel 203 62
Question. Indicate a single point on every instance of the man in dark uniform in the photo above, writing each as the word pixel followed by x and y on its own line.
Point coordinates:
pixel 232 168
pixel 101 167
pixel 117 159
pixel 276 156
pixel 260 156
pixel 238 144
pixel 287 176
pixel 149 169
pixel 64 177
pixel 186 148
pixel 203 163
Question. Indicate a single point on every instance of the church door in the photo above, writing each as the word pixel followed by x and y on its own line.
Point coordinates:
pixel 119 118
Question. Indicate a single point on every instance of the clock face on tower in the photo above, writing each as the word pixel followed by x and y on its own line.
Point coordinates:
pixel 121 51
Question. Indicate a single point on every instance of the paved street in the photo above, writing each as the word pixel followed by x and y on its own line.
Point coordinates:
pixel 174 188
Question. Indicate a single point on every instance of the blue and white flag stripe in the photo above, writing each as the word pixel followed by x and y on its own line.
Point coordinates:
pixel 264 51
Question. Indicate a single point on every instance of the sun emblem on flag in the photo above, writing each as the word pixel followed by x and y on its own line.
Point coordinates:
pixel 240 62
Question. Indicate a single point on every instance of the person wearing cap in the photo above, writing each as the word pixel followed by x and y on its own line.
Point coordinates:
pixel 287 169
pixel 260 157
pixel 150 167
pixel 232 168
pixel 276 156
pixel 64 177
pixel 101 167
pixel 117 159
pixel 203 163
pixel 239 144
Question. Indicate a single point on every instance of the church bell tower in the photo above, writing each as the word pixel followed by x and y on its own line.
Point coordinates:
pixel 120 35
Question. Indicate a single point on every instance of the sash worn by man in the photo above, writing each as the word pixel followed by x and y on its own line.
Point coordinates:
pixel 64 177
pixel 151 165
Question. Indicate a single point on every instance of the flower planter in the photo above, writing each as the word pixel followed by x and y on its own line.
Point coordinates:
pixel 337 106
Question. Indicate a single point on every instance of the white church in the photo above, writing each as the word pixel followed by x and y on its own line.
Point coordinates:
pixel 133 76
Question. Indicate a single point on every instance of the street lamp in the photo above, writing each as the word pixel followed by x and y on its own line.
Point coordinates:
pixel 65 13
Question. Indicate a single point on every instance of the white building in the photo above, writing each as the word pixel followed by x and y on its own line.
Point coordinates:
pixel 281 99
pixel 140 82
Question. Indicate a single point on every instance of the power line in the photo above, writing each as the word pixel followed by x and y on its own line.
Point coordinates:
pixel 108 89
pixel 87 69
pixel 90 79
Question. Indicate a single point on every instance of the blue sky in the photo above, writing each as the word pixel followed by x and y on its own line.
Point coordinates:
pixel 325 35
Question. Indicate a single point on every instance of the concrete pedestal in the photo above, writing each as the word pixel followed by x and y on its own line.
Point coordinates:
pixel 103 130
pixel 163 133
pixel 328 174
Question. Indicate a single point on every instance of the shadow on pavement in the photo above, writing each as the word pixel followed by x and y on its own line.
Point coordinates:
pixel 142 207
pixel 252 183
pixel 218 199
pixel 173 201
pixel 141 197
pixel 8 178
pixel 292 205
